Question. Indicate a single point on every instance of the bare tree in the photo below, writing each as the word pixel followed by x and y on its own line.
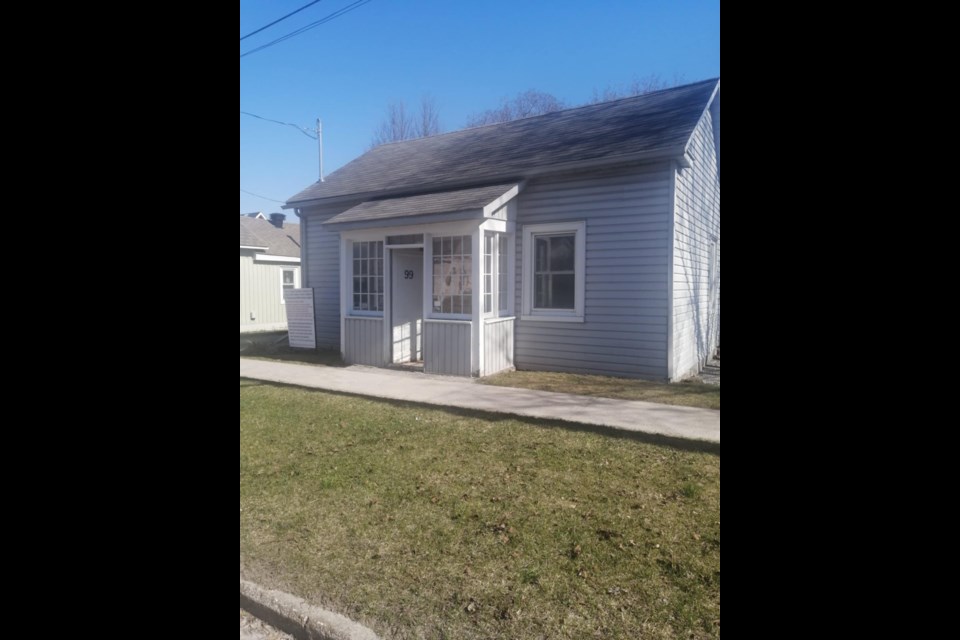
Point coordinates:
pixel 524 105
pixel 397 125
pixel 429 117
pixel 637 87
pixel 401 123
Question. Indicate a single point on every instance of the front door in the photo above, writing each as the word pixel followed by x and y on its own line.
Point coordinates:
pixel 407 304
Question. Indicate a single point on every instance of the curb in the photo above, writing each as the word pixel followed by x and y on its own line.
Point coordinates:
pixel 298 617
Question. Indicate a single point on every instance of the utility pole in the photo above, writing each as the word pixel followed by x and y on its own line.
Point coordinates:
pixel 320 142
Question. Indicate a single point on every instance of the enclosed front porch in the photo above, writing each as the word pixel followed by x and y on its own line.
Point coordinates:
pixel 430 279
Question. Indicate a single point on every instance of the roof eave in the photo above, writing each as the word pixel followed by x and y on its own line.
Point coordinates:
pixel 406 221
pixel 713 96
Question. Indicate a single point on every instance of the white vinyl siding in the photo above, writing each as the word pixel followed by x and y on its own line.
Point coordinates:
pixel 627 238
pixel 696 249
pixel 497 345
pixel 261 299
pixel 322 270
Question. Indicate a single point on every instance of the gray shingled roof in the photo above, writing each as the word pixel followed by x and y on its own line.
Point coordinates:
pixel 446 202
pixel 654 124
pixel 279 242
pixel 248 238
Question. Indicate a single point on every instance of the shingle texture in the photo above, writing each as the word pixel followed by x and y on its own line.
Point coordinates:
pixel 444 202
pixel 279 242
pixel 655 123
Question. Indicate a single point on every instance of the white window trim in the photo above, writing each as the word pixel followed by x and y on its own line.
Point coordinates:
pixel 496 311
pixel 477 268
pixel 261 257
pixel 296 281
pixel 493 273
pixel 348 280
pixel 511 243
pixel 580 245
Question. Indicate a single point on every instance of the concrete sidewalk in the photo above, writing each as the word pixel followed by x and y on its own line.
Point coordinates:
pixel 687 423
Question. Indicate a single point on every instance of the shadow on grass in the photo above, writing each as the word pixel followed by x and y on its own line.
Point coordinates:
pixel 681 444
pixel 275 346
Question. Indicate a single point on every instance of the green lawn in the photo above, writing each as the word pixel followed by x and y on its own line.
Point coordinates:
pixel 323 357
pixel 427 523
pixel 687 394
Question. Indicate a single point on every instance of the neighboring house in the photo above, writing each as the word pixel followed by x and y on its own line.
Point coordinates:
pixel 586 240
pixel 269 264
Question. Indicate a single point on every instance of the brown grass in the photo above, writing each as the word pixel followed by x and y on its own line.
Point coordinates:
pixel 428 523
pixel 687 394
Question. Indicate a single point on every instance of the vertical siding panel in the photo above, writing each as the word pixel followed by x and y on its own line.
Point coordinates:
pixel 447 348
pixel 498 346
pixel 696 308
pixel 627 214
pixel 260 292
pixel 364 341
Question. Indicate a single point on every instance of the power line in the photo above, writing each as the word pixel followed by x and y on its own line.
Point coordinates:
pixel 328 18
pixel 302 130
pixel 279 20
pixel 257 195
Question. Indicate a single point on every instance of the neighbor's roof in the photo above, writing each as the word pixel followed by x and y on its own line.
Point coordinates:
pixel 651 125
pixel 255 232
pixel 423 205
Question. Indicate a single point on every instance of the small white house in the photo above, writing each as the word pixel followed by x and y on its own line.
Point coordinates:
pixel 586 240
pixel 269 265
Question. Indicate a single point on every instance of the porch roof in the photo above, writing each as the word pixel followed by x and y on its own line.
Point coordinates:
pixel 461 204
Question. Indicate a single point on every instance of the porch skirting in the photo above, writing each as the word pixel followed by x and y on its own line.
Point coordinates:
pixel 446 347
pixel 363 341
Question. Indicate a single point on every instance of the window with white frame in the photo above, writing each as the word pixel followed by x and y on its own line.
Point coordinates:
pixel 554 271
pixel 495 274
pixel 368 276
pixel 452 279
pixel 488 271
pixel 288 280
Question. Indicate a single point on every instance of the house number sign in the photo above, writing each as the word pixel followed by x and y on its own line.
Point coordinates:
pixel 408 274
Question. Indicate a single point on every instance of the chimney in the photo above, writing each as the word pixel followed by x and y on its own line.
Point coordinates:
pixel 276 219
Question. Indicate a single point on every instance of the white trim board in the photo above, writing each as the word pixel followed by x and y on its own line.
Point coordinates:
pixel 267 258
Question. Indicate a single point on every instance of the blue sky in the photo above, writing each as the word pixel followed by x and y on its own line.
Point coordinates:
pixel 467 55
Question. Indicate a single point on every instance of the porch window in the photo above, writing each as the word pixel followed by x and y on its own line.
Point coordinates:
pixel 554 271
pixel 488 271
pixel 495 274
pixel 368 276
pixel 502 274
pixel 452 282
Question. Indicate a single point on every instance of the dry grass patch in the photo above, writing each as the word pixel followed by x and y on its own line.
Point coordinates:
pixel 687 394
pixel 426 523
